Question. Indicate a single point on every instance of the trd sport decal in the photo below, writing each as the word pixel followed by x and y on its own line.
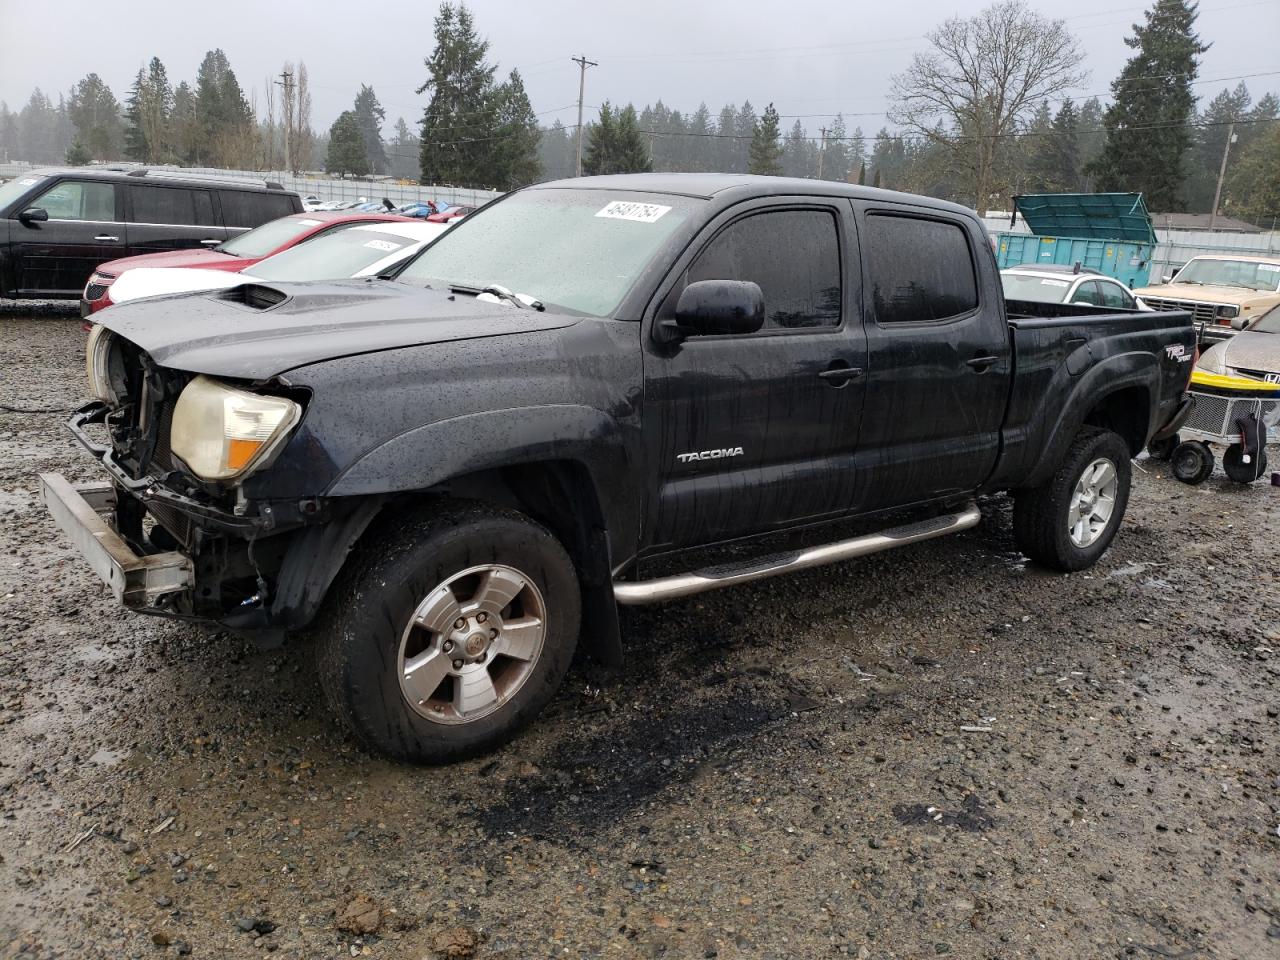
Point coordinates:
pixel 710 454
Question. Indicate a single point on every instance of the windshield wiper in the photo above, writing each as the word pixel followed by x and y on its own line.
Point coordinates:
pixel 502 293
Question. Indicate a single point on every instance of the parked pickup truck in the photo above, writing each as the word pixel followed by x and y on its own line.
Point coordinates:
pixel 560 405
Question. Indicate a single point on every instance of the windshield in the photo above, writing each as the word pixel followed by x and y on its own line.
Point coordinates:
pixel 331 257
pixel 12 190
pixel 1269 322
pixel 1231 273
pixel 263 240
pixel 577 249
pixel 1020 286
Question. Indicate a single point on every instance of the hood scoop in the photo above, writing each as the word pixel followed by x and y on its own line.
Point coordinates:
pixel 255 296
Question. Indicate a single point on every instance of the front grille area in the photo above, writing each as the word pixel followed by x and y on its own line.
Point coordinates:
pixel 94 291
pixel 1200 312
pixel 1269 376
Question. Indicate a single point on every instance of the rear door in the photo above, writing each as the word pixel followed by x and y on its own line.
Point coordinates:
pixel 938 357
pixel 164 217
pixel 744 432
pixel 55 258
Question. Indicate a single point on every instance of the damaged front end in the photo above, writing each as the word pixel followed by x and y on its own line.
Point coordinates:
pixel 171 530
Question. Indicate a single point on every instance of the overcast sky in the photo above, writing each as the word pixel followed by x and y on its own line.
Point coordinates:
pixel 810 57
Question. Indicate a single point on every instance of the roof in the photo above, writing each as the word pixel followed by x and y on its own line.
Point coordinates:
pixel 707 186
pixel 1091 216
pixel 137 173
pixel 1052 270
pixel 1248 257
pixel 1200 221
pixel 408 228
pixel 352 216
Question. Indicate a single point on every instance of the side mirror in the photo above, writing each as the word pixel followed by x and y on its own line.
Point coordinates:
pixel 1167 278
pixel 1238 323
pixel 34 215
pixel 710 307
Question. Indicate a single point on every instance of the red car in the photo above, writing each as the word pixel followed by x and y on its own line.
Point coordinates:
pixel 235 254
pixel 453 213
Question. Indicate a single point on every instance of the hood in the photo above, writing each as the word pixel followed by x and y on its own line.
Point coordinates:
pixel 155 282
pixel 1210 294
pixel 1246 354
pixel 257 330
pixel 176 258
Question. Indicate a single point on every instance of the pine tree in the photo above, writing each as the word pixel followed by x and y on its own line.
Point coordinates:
pixel 556 152
pixel 701 143
pixel 765 155
pixel 1092 138
pixel 1065 158
pixel 516 162
pixel 1210 140
pixel 369 118
pixel 1038 176
pixel 346 154
pixel 403 158
pixel 96 114
pixel 184 125
pixel 862 174
pixel 1253 188
pixel 458 123
pixel 150 103
pixel 797 153
pixel 135 141
pixel 615 143
pixel 226 131
pixel 1147 132
pixel 77 155
pixel 744 131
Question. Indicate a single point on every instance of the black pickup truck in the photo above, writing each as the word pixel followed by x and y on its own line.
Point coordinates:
pixel 566 404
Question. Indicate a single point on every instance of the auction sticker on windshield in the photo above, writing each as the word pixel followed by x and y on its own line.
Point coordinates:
pixel 631 210
pixel 382 245
pixel 1054 283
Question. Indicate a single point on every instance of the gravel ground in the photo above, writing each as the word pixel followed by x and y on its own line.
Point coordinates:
pixel 936 751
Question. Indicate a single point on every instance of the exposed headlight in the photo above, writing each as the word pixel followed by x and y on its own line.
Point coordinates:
pixel 221 432
pixel 97 352
pixel 1229 312
pixel 1212 360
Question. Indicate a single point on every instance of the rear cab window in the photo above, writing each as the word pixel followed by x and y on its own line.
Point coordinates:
pixel 920 270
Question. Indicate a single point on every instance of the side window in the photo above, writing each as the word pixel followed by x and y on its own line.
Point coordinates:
pixel 204 208
pixel 794 256
pixel 920 270
pixel 240 208
pixel 1114 295
pixel 79 200
pixel 162 205
pixel 1088 293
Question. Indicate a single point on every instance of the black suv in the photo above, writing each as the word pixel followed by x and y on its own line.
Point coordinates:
pixel 58 225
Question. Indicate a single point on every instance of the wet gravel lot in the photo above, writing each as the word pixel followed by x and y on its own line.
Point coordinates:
pixel 938 751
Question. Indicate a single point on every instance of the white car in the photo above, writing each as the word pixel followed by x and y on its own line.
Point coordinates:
pixel 362 251
pixel 311 203
pixel 1052 284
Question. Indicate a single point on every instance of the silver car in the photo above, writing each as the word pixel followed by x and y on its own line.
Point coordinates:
pixel 1253 353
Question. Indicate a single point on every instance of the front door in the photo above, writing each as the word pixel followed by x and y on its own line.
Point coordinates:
pixel 749 432
pixel 54 258
pixel 939 358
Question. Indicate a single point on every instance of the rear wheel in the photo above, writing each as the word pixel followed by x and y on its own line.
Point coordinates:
pixel 450 633
pixel 1239 471
pixel 1068 522
pixel 1192 462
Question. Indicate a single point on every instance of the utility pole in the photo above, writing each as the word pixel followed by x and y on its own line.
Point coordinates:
pixel 1222 172
pixel 287 83
pixel 822 149
pixel 582 63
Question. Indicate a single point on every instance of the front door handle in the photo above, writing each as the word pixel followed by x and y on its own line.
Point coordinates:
pixel 103 238
pixel 209 243
pixel 841 374
pixel 982 364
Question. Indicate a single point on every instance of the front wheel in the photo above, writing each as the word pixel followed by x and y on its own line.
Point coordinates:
pixel 449 633
pixel 1068 522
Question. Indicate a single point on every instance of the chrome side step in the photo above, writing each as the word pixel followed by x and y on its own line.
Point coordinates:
pixel 713 578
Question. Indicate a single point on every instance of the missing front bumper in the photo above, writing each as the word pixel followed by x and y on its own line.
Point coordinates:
pixel 140 582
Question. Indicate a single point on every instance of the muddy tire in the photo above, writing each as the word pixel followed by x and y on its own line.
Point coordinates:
pixel 1192 462
pixel 448 631
pixel 1239 471
pixel 1068 522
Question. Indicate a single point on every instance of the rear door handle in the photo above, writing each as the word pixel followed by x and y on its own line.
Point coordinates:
pixel 982 364
pixel 103 238
pixel 841 373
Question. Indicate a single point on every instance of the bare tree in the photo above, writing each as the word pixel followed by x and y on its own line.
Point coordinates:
pixel 303 136
pixel 981 81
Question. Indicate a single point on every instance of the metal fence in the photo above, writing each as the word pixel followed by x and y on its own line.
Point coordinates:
pixel 314 184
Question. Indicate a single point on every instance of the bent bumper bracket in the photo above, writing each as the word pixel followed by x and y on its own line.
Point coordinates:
pixel 137 581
